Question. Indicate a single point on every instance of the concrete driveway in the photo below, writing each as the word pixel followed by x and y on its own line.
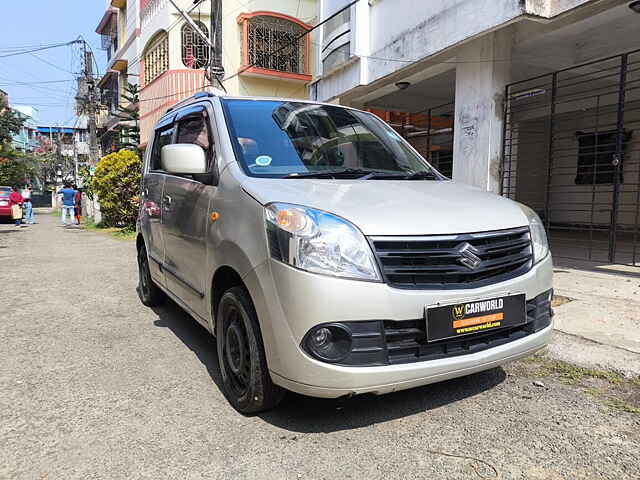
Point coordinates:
pixel 94 385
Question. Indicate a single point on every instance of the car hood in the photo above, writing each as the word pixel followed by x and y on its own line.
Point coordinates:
pixel 396 207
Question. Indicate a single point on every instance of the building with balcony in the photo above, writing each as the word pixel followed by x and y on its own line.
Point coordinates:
pixel 120 32
pixel 535 99
pixel 26 140
pixel 173 58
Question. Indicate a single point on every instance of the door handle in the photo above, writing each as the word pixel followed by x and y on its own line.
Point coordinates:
pixel 167 200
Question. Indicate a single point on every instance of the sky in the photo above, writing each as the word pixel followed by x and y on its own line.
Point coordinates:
pixel 31 23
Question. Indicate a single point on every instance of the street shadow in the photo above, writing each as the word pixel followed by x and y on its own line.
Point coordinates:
pixel 192 334
pixel 301 414
pixel 560 266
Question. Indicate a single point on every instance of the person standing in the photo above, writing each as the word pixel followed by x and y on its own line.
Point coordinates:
pixel 15 202
pixel 78 204
pixel 68 203
pixel 29 216
pixel 27 208
pixel 26 191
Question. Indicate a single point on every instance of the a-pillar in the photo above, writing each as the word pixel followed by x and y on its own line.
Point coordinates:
pixel 482 73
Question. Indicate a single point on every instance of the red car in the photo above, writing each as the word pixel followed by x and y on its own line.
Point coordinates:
pixel 5 209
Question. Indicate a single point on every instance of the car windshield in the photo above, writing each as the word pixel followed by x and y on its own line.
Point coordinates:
pixel 297 140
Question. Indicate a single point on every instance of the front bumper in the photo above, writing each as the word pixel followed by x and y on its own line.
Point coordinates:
pixel 393 378
pixel 289 302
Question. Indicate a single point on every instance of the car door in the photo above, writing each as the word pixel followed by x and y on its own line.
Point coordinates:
pixel 152 189
pixel 185 215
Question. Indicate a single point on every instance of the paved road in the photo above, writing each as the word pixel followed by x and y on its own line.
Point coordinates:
pixel 94 385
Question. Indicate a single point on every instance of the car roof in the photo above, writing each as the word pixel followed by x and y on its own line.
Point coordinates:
pixel 202 96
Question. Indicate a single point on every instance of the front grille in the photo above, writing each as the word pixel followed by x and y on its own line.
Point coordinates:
pixel 390 342
pixel 434 262
pixel 407 340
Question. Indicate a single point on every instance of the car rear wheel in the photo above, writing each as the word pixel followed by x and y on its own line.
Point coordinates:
pixel 247 383
pixel 149 293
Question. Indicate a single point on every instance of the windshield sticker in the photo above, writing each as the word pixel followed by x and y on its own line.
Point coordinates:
pixel 263 161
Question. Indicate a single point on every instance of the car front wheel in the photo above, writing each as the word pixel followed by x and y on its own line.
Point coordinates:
pixel 247 383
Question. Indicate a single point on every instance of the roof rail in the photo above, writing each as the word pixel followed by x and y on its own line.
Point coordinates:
pixel 195 96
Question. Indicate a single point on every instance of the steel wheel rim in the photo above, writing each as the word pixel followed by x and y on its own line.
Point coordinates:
pixel 144 273
pixel 237 354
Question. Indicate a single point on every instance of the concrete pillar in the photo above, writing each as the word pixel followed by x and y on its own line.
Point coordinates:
pixel 481 77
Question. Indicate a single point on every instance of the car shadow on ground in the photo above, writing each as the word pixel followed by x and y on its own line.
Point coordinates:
pixel 192 334
pixel 301 414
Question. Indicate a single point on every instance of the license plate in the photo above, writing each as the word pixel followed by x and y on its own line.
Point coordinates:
pixel 3 203
pixel 474 316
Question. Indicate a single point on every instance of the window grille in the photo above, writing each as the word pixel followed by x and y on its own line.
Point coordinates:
pixel 267 35
pixel 195 51
pixel 156 60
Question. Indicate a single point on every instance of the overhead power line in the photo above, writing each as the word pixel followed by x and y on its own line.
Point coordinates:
pixel 23 52
pixel 17 82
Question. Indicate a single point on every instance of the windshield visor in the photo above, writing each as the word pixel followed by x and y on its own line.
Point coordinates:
pixel 276 139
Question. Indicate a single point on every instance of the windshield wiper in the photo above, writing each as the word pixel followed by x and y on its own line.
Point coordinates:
pixel 422 175
pixel 349 172
pixel 365 174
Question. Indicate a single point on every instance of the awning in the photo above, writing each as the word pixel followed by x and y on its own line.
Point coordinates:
pixel 110 74
pixel 106 19
pixel 55 130
pixel 120 65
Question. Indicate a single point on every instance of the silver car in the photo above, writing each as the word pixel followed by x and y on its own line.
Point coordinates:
pixel 327 257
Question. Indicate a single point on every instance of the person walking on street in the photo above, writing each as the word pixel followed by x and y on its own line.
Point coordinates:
pixel 68 204
pixel 78 204
pixel 15 202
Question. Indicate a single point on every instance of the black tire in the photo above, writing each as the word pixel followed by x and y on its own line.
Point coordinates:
pixel 243 365
pixel 149 293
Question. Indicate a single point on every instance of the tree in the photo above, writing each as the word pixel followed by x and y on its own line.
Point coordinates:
pixel 129 129
pixel 51 162
pixel 10 124
pixel 15 168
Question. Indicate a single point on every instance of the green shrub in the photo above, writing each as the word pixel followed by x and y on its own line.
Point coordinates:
pixel 116 183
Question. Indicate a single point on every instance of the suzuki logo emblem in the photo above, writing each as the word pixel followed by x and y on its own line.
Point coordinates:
pixel 469 256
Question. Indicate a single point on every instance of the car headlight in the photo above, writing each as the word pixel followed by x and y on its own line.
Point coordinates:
pixel 538 234
pixel 318 242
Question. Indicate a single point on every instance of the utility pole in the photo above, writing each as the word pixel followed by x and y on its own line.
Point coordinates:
pixel 90 103
pixel 216 70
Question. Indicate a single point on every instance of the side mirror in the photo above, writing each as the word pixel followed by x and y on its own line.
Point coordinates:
pixel 183 158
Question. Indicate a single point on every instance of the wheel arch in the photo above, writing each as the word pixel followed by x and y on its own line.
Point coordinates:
pixel 226 277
